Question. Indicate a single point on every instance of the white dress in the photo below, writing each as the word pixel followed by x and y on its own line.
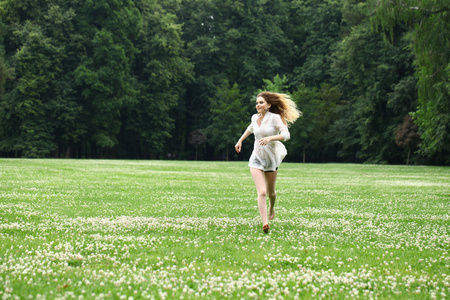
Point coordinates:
pixel 270 156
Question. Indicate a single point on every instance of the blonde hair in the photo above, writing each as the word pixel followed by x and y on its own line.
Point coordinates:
pixel 283 105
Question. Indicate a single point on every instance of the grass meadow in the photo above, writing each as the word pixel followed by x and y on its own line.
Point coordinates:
pixel 112 229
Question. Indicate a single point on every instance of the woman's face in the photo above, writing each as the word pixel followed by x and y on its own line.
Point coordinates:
pixel 261 105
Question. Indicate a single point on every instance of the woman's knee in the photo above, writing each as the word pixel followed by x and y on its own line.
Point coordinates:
pixel 272 194
pixel 262 193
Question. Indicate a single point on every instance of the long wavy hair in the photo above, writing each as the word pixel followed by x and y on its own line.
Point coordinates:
pixel 283 105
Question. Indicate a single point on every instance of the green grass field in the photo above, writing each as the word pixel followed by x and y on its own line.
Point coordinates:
pixel 98 229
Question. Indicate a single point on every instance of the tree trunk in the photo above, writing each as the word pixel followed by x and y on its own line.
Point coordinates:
pixel 409 154
pixel 68 151
pixel 55 154
pixel 304 155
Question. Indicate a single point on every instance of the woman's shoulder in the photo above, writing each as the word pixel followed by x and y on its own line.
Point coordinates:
pixel 276 120
pixel 255 116
pixel 274 116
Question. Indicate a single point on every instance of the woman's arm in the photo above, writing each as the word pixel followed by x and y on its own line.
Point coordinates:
pixel 282 129
pixel 238 145
pixel 264 141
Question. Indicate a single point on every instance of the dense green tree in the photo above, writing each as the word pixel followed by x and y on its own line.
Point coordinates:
pixel 3 75
pixel 161 73
pixel 137 78
pixel 278 85
pixel 27 104
pixel 109 29
pixel 345 134
pixel 366 74
pixel 71 63
pixel 302 129
pixel 66 106
pixel 5 71
pixel 240 41
pixel 430 20
pixel 317 29
pixel 370 76
pixel 38 40
pixel 229 118
pixel 310 135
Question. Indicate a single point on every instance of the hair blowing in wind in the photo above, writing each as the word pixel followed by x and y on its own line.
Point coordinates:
pixel 283 105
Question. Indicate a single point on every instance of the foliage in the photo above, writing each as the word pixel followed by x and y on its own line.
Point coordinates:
pixel 407 135
pixel 4 74
pixel 370 76
pixel 36 66
pixel 133 78
pixel 228 117
pixel 90 68
pixel 160 74
pixel 312 130
pixel 279 85
pixel 103 73
pixel 318 22
pixel 430 41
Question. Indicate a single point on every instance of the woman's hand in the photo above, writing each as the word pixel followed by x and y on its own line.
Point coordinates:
pixel 238 146
pixel 265 141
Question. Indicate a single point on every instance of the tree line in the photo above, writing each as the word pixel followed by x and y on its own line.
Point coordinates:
pixel 177 79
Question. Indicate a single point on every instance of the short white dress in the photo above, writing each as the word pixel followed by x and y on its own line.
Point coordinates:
pixel 269 157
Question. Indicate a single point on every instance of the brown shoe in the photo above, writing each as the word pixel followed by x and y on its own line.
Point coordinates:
pixel 266 228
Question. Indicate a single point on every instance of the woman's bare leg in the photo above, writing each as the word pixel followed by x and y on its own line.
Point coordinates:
pixel 260 183
pixel 271 179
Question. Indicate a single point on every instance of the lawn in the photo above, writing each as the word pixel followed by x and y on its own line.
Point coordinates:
pixel 122 229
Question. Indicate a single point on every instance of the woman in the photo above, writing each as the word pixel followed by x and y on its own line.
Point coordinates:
pixel 270 126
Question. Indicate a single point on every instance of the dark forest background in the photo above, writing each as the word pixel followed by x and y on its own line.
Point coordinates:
pixel 177 79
